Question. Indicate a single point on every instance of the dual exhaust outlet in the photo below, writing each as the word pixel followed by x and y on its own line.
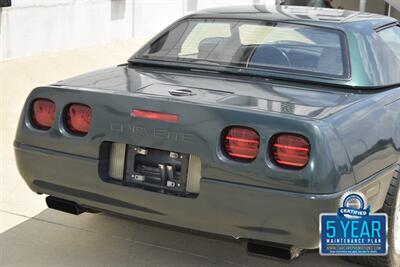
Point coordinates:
pixel 254 247
pixel 64 205
pixel 273 250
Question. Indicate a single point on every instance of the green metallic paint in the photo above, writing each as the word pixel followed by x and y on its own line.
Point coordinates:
pixel 354 136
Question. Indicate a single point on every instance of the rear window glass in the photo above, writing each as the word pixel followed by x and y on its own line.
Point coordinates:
pixel 252 45
pixel 391 37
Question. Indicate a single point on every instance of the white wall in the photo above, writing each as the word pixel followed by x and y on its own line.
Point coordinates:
pixel 212 3
pixel 37 26
pixel 151 16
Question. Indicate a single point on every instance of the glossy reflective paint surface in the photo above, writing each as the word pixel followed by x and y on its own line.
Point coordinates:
pixel 320 114
pixel 229 91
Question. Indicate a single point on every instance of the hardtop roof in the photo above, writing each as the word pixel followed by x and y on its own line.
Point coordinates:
pixel 334 18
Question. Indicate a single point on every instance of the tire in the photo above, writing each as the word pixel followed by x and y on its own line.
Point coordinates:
pixel 392 208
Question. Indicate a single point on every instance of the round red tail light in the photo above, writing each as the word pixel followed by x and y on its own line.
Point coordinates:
pixel 79 118
pixel 241 143
pixel 291 150
pixel 43 113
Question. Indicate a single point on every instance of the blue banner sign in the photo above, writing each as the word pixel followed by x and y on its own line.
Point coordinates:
pixel 353 230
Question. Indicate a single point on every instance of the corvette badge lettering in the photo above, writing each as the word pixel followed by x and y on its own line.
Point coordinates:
pixel 152 132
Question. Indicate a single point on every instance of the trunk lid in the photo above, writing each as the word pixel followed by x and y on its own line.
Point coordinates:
pixel 210 104
pixel 313 102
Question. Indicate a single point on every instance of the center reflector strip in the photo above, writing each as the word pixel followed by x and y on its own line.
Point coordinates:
pixel 152 115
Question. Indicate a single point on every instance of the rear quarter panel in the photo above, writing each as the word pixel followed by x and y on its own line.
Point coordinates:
pixel 370 132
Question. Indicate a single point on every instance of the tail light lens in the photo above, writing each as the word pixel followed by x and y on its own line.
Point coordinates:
pixel 241 143
pixel 291 150
pixel 79 118
pixel 43 113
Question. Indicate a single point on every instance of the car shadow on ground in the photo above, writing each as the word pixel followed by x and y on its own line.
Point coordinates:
pixel 55 238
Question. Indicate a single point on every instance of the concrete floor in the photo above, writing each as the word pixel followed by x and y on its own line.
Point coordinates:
pixel 32 235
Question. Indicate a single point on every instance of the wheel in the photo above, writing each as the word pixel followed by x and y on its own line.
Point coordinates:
pixel 392 208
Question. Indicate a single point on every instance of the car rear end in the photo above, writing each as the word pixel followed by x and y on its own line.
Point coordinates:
pixel 199 147
pixel 187 161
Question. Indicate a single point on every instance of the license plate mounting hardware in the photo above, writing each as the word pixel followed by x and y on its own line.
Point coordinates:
pixel 156 170
pixel 141 151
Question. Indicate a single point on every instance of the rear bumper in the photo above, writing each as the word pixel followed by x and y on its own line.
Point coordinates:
pixel 223 208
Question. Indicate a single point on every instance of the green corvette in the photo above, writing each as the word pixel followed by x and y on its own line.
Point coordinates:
pixel 244 121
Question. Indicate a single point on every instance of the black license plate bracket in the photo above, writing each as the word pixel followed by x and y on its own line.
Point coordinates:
pixel 157 170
